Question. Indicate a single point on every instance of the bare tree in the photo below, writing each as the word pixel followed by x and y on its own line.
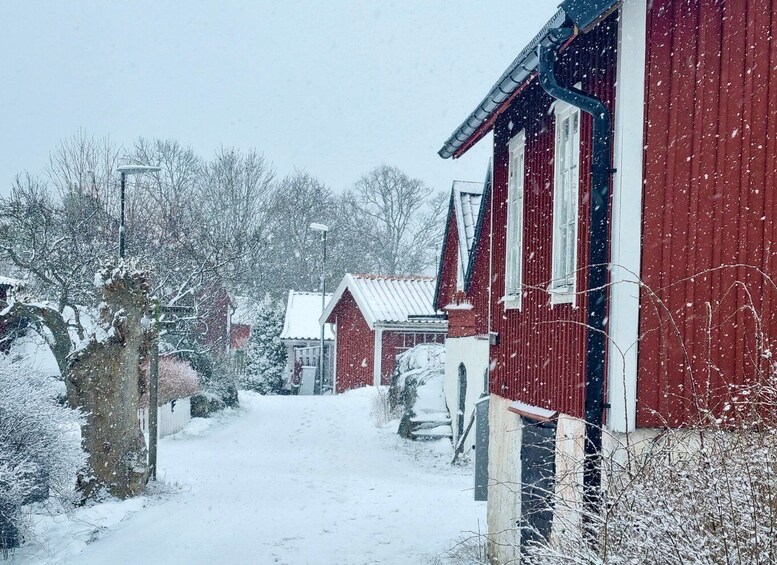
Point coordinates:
pixel 57 244
pixel 402 219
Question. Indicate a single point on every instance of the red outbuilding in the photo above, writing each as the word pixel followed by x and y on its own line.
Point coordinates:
pixel 377 317
pixel 466 343
pixel 625 261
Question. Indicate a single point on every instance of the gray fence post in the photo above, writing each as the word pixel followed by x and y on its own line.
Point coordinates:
pixel 481 449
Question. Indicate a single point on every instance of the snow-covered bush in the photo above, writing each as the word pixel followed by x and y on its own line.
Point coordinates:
pixel 40 446
pixel 703 495
pixel 694 497
pixel 417 386
pixel 417 381
pixel 265 354
pixel 217 374
pixel 177 379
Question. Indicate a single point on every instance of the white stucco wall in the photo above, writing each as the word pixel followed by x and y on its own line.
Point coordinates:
pixel 504 488
pixel 473 353
pixel 504 472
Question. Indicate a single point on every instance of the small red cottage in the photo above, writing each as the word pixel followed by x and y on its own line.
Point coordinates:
pixel 466 343
pixel 243 314
pixel 627 278
pixel 377 317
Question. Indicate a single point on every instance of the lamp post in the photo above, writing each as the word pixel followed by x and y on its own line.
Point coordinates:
pixel 125 170
pixel 153 378
pixel 323 229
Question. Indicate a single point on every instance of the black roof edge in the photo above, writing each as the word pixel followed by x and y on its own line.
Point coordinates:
pixel 586 13
pixel 516 74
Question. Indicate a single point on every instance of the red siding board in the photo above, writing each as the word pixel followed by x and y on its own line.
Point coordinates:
pixel 464 322
pixel 355 346
pixel 709 205
pixel 392 344
pixel 541 354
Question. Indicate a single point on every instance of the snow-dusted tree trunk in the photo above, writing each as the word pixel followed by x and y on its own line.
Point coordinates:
pixel 105 382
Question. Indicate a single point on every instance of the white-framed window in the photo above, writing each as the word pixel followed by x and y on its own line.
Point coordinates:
pixel 515 204
pixel 565 204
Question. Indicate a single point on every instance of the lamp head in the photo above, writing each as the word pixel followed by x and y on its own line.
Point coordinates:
pixel 137 169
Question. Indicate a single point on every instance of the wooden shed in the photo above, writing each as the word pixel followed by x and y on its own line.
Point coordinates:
pixel 377 317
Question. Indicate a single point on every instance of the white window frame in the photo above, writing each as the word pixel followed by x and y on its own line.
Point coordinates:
pixel 563 284
pixel 516 179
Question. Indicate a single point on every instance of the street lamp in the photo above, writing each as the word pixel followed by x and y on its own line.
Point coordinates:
pixel 323 229
pixel 125 170
pixel 153 380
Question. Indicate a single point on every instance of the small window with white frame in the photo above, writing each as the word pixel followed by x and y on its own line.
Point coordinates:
pixel 565 204
pixel 515 204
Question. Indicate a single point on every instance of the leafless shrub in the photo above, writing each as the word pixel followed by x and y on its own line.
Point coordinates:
pixel 381 410
pixel 177 379
pixel 705 493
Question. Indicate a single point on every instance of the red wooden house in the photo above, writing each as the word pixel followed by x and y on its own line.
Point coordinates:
pixel 635 150
pixel 466 343
pixel 377 317
pixel 243 313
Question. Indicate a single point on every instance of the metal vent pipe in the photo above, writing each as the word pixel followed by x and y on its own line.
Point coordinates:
pixel 598 263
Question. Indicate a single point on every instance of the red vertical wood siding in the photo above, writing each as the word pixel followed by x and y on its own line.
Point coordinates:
pixel 448 272
pixel 215 302
pixel 461 322
pixel 392 341
pixel 478 292
pixel 709 204
pixel 540 357
pixel 355 345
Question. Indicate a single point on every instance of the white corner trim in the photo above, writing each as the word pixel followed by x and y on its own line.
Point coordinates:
pixel 626 237
pixel 377 359
pixel 334 358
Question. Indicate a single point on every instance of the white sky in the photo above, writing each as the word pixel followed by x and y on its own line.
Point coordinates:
pixel 334 88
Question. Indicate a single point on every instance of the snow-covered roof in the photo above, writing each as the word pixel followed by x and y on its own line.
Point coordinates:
pixel 467 197
pixel 302 314
pixel 467 207
pixel 245 310
pixel 389 299
pixel 8 281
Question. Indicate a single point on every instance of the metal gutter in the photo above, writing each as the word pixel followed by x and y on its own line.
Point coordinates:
pixel 598 263
pixel 585 14
pixel 521 69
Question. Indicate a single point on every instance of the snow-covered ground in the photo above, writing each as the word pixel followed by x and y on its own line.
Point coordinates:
pixel 287 480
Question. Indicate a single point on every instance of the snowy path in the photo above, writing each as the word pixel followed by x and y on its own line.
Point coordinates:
pixel 290 480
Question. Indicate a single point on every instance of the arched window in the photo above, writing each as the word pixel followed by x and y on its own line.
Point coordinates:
pixel 462 400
